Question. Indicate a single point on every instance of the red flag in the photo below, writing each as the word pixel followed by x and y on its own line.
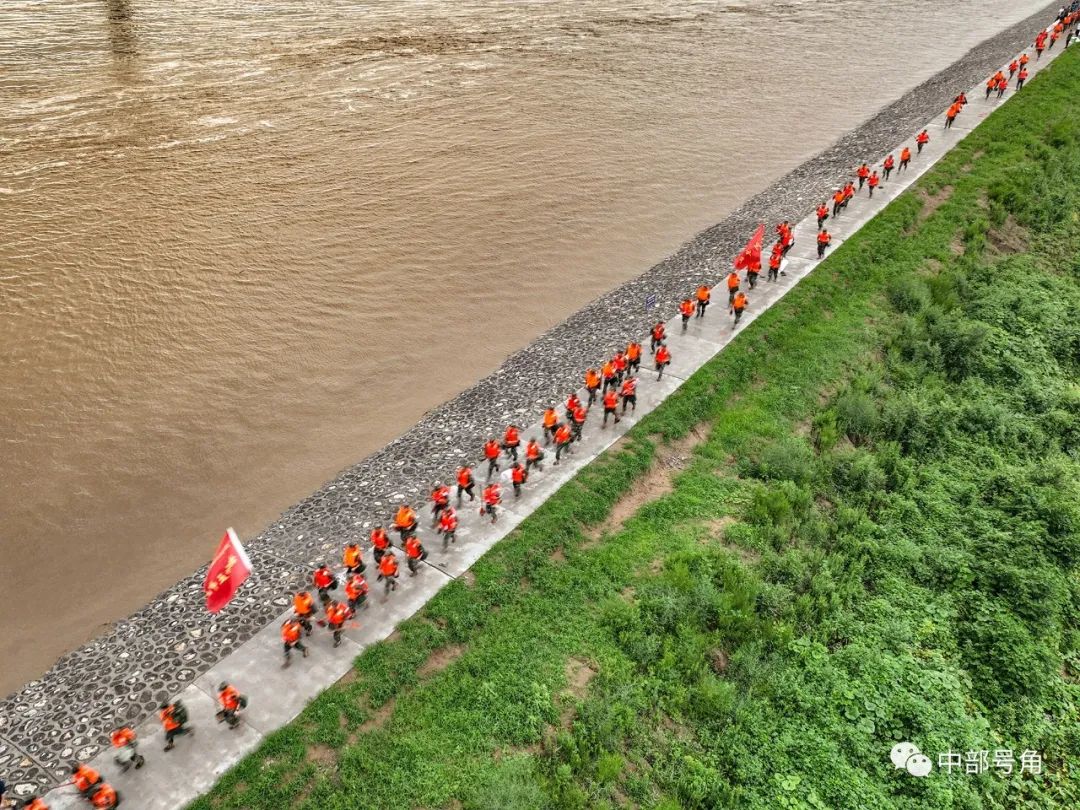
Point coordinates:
pixel 228 570
pixel 750 258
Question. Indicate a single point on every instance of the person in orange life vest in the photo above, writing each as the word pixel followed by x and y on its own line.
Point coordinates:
pixel 663 360
pixel 822 215
pixel 551 421
pixel 405 521
pixel 628 392
pixel 1053 38
pixel 105 797
pixel 231 703
pixel 823 240
pixel 607 371
pixel 1002 86
pixel 686 310
pixel 337 614
pixel 304 609
pixel 534 455
pixel 492 499
pixel 414 554
pixel 732 286
pixel 448 527
pixel 656 336
pixel 887 166
pixel 703 297
pixel 1024 59
pixel 563 437
pixel 1021 77
pixel 353 558
pixel 380 542
pixel 862 174
pixel 174 715
pixel 572 404
pixel 921 140
pixel 991 85
pixel 84 777
pixel 737 306
pixel 592 385
pixel 849 193
pixel 123 740
pixel 753 268
pixel 1013 67
pixel 950 114
pixel 611 402
pixel 519 475
pixel 356 587
pixel 905 158
pixel 465 483
pixel 873 182
pixel 440 500
pixel 1040 44
pixel 578 421
pixel 620 364
pixel 787 238
pixel 961 99
pixel 491 454
pixel 512 441
pixel 388 571
pixel 324 581
pixel 837 201
pixel 290 639
pixel 633 357
pixel 774 262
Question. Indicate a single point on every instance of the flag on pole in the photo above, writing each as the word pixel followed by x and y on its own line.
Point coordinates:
pixel 750 257
pixel 229 569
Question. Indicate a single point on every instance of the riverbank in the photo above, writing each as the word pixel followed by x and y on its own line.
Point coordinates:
pixel 856 525
pixel 121 676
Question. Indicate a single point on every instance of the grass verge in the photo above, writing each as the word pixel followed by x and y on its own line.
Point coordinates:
pixel 866 531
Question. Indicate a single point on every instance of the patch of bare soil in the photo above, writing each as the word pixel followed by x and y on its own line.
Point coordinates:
pixel 657 482
pixel 1009 237
pixel 557 556
pixel 469 578
pixel 578 675
pixel 718 660
pixel 440 659
pixel 932 202
pixel 322 755
pixel 379 718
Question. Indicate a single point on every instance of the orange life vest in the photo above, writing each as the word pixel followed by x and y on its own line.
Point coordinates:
pixel 448 520
pixel 352 556
pixel 517 472
pixel 441 495
pixel 388 565
pixel 167 718
pixel 229 698
pixel 550 418
pixel 492 495
pixel 104 797
pixel 663 355
pixel 290 634
pixel 85 777
pixel 357 586
pixel 406 517
pixel 739 303
pixel 592 380
pixel 491 449
pixel 511 438
pixel 687 308
pixel 337 613
pixel 562 435
pixel 122 736
pixel 732 281
pixel 611 399
pixel 703 293
pixel 464 475
pixel 303 604
pixel 379 538
pixel 532 450
pixel 633 351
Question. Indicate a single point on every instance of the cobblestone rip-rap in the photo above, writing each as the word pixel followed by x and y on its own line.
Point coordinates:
pixel 121 676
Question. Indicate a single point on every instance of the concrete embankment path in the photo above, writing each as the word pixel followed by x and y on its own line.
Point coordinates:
pixel 277 695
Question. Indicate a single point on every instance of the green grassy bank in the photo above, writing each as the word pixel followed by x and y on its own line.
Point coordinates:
pixel 862 526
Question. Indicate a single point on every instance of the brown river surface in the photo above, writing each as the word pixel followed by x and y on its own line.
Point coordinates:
pixel 243 243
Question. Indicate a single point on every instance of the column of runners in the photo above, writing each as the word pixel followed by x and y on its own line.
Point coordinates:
pixel 613 384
